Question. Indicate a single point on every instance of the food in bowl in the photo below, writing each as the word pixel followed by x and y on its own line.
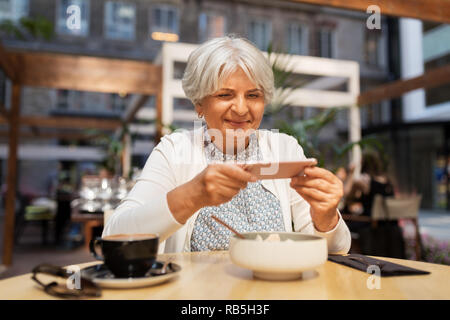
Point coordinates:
pixel 274 237
pixel 278 255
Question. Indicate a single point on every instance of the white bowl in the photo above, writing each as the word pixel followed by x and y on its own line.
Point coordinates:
pixel 283 260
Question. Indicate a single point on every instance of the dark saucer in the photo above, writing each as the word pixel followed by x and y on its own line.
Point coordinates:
pixel 102 276
pixel 101 271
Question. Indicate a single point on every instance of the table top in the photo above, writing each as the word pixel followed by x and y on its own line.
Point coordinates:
pixel 77 216
pixel 212 275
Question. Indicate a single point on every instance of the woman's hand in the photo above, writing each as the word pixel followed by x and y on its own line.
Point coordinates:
pixel 216 184
pixel 323 191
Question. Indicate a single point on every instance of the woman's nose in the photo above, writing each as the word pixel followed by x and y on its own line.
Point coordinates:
pixel 240 106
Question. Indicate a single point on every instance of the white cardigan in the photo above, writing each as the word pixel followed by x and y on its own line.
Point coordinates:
pixel 178 158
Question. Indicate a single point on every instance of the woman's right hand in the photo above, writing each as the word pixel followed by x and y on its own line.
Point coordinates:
pixel 216 184
pixel 219 183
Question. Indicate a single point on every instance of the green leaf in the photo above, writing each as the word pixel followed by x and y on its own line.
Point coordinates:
pixel 28 27
pixel 10 28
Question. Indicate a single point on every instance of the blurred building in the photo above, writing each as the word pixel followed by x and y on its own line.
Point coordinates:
pixel 136 29
pixel 418 129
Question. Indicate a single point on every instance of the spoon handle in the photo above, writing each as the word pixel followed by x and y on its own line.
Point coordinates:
pixel 227 226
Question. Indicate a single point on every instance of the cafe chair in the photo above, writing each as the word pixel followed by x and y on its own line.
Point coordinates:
pixel 38 214
pixel 392 209
pixel 40 211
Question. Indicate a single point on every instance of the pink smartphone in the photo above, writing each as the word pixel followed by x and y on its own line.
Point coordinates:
pixel 279 170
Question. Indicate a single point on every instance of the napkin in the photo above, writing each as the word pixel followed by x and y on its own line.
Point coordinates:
pixel 362 262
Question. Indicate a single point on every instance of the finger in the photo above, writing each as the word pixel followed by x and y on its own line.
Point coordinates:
pixel 237 172
pixel 313 193
pixel 316 183
pixel 316 172
pixel 223 178
pixel 312 202
pixel 316 206
pixel 231 183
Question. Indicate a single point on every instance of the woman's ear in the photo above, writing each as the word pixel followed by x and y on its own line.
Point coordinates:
pixel 199 109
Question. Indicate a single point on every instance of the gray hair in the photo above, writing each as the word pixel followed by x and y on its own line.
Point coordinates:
pixel 215 60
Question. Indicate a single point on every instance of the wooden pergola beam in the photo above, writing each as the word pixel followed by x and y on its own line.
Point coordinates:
pixel 52 135
pixel 11 179
pixel 133 108
pixel 430 79
pixel 430 10
pixel 8 64
pixel 67 122
pixel 62 71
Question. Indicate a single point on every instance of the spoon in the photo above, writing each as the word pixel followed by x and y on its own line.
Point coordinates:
pixel 228 227
pixel 159 271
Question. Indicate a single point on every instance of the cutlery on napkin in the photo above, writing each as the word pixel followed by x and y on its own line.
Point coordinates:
pixel 362 262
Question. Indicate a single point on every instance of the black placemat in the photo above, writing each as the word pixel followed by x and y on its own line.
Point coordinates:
pixel 362 263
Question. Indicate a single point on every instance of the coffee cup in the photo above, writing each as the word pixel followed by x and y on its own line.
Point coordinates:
pixel 127 255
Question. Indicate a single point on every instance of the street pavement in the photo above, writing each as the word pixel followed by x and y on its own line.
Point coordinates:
pixel 435 224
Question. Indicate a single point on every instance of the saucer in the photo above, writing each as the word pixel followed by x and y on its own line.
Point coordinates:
pixel 103 277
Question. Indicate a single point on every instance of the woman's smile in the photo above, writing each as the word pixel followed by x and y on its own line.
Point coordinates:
pixel 237 123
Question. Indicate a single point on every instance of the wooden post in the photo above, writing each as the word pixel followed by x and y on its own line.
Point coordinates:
pixel 159 108
pixel 418 242
pixel 355 125
pixel 10 205
pixel 129 115
pixel 126 155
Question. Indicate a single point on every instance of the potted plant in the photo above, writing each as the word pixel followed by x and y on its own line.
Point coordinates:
pixel 307 131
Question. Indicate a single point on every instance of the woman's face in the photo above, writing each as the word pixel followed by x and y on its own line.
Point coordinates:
pixel 236 109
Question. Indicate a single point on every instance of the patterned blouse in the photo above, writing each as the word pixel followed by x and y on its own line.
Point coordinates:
pixel 252 209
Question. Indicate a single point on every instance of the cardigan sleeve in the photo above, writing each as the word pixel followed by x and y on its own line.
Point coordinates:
pixel 338 239
pixel 145 208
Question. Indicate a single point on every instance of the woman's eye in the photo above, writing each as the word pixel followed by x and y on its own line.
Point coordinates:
pixel 224 95
pixel 253 95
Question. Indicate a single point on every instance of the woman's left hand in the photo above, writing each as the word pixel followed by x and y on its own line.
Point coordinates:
pixel 323 191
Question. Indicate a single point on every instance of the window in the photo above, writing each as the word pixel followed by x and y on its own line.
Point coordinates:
pixel 83 102
pixel 117 103
pixel 211 26
pixel 260 33
pixel 164 26
pixel 440 95
pixel 62 99
pixel 325 43
pixel 372 47
pixel 13 9
pixel 178 69
pixel 296 39
pixel 182 104
pixel 120 19
pixel 76 21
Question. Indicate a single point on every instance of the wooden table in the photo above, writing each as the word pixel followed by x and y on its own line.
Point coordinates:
pixel 89 221
pixel 212 275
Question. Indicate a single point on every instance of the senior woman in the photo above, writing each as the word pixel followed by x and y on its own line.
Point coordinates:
pixel 191 175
